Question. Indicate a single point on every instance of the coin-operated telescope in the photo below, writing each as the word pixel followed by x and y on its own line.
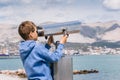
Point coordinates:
pixel 59 69
pixel 59 28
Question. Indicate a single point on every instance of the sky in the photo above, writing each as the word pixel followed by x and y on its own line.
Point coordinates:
pixel 41 11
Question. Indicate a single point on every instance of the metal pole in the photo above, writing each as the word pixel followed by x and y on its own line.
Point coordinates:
pixel 63 69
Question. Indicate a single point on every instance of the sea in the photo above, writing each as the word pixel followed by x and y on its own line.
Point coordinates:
pixel 107 65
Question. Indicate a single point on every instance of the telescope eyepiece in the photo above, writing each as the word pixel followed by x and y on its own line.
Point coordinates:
pixel 40 31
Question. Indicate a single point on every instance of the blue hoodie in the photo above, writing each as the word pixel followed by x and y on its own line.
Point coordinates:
pixel 36 58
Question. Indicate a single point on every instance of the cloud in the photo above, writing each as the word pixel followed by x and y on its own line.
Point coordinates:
pixel 45 4
pixel 30 10
pixel 6 11
pixel 5 1
pixel 15 11
pixel 112 4
pixel 60 1
pixel 27 1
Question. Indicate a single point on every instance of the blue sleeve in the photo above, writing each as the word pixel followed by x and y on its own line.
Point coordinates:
pixel 51 56
pixel 47 46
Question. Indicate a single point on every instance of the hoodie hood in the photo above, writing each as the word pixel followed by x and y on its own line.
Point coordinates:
pixel 25 47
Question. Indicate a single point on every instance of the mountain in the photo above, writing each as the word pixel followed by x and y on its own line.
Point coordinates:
pixel 89 32
pixel 9 32
pixel 113 27
pixel 107 44
pixel 94 32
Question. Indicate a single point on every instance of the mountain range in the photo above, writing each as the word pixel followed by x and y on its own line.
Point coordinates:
pixel 95 32
pixel 89 33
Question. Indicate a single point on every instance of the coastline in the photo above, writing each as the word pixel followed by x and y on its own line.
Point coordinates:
pixel 13 74
pixel 9 57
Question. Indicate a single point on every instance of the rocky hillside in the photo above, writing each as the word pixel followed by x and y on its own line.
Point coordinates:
pixel 94 32
pixel 89 32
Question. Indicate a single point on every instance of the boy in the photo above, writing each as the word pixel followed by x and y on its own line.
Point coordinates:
pixel 36 57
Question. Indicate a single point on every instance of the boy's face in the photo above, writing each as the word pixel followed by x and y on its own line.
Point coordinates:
pixel 34 35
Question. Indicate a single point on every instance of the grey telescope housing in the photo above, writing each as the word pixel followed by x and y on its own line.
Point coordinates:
pixel 59 28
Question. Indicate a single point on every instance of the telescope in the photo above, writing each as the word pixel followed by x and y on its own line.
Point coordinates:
pixel 59 28
pixel 54 29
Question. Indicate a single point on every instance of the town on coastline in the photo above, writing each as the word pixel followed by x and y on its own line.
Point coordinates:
pixel 92 51
pixel 10 50
pixel 74 49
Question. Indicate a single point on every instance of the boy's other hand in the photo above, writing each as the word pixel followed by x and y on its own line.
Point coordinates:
pixel 50 40
pixel 64 39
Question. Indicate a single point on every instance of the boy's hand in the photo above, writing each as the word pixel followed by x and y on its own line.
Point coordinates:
pixel 64 39
pixel 50 40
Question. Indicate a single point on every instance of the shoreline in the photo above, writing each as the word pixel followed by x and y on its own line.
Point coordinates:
pixel 13 74
pixel 10 77
pixel 21 75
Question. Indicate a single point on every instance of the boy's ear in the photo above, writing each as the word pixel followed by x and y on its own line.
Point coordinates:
pixel 30 35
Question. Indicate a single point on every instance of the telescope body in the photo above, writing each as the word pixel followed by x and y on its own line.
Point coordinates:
pixel 59 28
